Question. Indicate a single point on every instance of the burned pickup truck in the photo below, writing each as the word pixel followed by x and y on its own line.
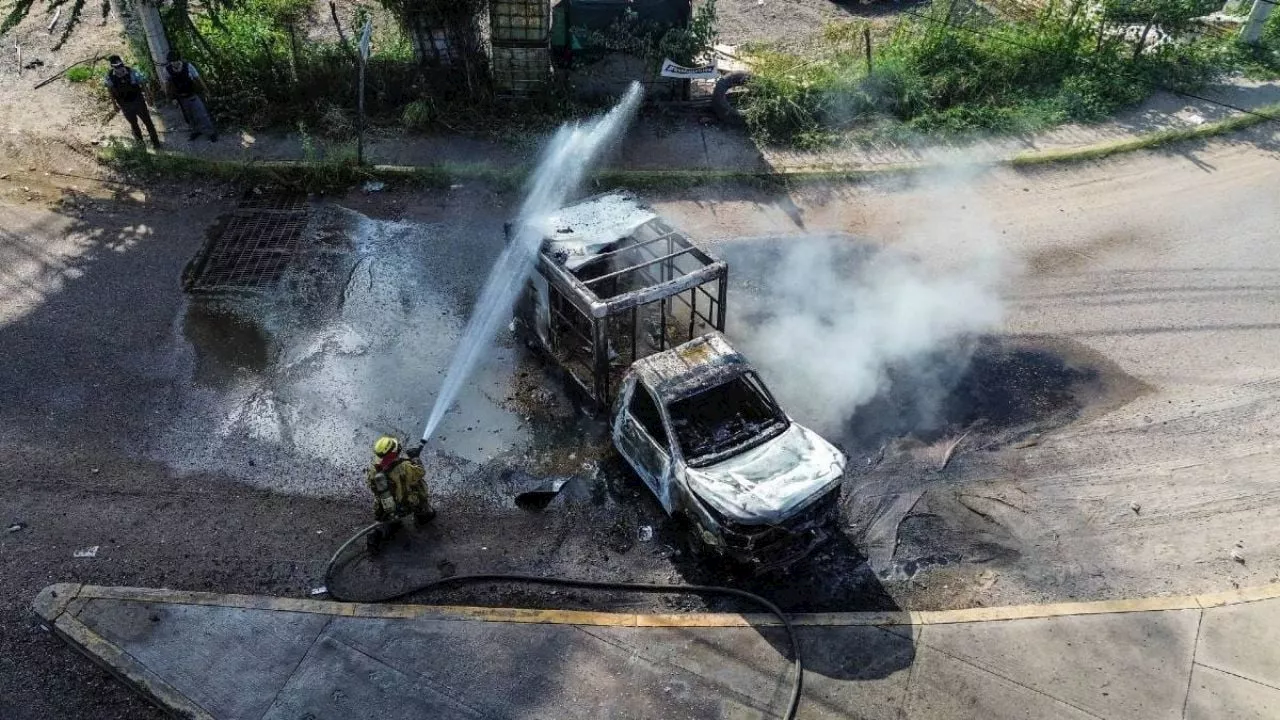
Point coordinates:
pixel 704 433
pixel 631 311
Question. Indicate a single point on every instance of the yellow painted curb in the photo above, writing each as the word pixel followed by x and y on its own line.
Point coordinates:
pixel 62 600
pixel 66 600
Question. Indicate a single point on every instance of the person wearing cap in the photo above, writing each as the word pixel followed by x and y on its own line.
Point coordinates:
pixel 187 88
pixel 396 479
pixel 128 90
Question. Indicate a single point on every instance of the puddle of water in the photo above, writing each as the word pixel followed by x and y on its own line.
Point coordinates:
pixel 227 344
pixel 354 345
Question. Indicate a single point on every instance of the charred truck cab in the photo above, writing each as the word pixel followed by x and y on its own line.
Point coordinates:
pixel 630 310
pixel 704 433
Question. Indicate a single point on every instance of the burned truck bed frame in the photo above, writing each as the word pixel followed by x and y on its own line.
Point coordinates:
pixel 615 283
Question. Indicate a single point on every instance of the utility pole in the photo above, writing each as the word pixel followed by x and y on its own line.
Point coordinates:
pixel 157 42
pixel 1252 31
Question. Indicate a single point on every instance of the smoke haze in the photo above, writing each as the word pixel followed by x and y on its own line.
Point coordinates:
pixel 833 321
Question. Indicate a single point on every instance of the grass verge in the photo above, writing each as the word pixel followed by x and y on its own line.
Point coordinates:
pixel 330 176
pixel 1149 141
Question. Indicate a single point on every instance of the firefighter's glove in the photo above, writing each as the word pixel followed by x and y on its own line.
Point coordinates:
pixel 413 452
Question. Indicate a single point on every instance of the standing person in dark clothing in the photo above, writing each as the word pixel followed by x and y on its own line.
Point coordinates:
pixel 187 87
pixel 127 90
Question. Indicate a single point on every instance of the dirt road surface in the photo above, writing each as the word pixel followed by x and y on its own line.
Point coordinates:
pixel 1120 422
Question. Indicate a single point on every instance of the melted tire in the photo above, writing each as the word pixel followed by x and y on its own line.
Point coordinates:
pixel 720 103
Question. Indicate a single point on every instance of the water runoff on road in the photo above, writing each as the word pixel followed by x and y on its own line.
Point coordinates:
pixel 565 162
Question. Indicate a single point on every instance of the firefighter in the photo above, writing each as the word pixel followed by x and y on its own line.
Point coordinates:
pixel 127 90
pixel 188 89
pixel 396 481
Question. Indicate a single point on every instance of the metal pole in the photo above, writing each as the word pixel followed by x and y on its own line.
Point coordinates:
pixel 600 360
pixel 360 118
pixel 693 310
pixel 724 291
pixel 866 43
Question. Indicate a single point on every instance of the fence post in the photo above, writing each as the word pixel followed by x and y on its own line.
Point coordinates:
pixel 866 43
pixel 364 60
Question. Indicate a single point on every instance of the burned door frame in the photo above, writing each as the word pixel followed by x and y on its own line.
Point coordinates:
pixel 636 443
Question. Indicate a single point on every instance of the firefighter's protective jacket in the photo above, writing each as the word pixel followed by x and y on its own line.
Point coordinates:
pixel 402 480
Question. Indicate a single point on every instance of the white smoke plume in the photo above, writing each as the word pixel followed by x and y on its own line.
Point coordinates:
pixel 834 321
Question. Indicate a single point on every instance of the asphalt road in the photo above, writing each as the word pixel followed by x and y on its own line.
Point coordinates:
pixel 1151 278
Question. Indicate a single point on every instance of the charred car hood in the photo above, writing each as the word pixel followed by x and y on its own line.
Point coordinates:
pixel 769 483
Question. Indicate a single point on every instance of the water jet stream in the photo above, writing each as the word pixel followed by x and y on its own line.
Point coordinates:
pixel 571 153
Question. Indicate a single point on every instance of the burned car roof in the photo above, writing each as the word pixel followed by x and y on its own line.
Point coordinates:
pixel 682 371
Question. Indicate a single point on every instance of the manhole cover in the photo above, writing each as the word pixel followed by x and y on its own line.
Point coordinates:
pixel 253 248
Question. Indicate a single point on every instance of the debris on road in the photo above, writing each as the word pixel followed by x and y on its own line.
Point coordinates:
pixel 1237 555
pixel 373 186
pixel 86 553
pixel 319 590
pixel 541 496
pixel 16 527
pixel 951 449
pixel 1135 507
pixel 1030 441
pixel 646 533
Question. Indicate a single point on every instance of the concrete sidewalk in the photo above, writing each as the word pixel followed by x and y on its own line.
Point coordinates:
pixel 226 656
pixel 690 145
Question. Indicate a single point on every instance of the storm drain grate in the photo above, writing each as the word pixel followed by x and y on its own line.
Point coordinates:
pixel 253 248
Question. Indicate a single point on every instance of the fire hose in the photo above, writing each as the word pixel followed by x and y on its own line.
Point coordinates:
pixel 798 682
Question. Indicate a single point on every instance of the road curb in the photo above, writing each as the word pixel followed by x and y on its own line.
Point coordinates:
pixel 443 173
pixel 60 603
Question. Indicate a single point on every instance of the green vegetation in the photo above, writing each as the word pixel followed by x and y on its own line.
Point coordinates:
pixel 319 175
pixel 87 73
pixel 654 42
pixel 953 69
pixel 263 71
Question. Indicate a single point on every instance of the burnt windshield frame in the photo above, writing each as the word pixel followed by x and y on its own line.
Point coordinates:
pixel 769 427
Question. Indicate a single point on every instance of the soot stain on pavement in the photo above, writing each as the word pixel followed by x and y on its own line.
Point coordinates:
pixel 909 495
pixel 999 391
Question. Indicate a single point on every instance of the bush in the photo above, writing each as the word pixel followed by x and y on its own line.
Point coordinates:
pixel 419 115
pixel 957 71
pixel 262 71
pixel 85 73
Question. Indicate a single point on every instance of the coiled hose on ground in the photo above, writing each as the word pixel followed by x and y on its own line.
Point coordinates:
pixel 792 705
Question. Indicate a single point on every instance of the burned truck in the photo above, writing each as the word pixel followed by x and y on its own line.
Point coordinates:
pixel 632 312
pixel 703 432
